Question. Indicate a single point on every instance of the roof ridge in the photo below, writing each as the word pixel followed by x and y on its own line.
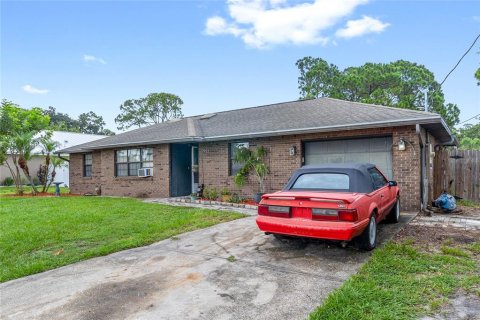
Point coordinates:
pixel 382 106
pixel 254 107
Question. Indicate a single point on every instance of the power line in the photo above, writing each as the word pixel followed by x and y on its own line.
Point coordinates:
pixel 470 118
pixel 466 52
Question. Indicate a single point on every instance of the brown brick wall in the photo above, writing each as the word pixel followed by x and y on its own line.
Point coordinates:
pixel 214 167
pixel 213 161
pixel 103 174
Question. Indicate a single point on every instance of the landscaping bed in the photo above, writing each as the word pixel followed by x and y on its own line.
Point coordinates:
pixel 42 233
pixel 246 203
pixel 11 192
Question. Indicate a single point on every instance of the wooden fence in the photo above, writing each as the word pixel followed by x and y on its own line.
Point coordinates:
pixel 457 172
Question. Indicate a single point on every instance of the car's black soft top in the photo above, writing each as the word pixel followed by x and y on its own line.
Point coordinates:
pixel 360 180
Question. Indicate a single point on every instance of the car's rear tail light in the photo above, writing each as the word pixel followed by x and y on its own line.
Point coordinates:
pixel 274 211
pixel 348 215
pixel 334 215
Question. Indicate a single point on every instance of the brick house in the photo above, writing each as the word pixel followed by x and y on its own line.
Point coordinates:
pixel 185 153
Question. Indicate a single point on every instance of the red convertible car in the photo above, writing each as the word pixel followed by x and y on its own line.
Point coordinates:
pixel 332 201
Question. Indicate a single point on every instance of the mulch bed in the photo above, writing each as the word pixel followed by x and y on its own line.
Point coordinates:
pixel 247 201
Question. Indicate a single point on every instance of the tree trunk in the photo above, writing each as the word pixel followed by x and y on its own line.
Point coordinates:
pixel 16 178
pixel 47 168
pixel 23 164
pixel 54 173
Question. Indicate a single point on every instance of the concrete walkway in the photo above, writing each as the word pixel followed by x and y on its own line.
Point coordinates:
pixel 228 271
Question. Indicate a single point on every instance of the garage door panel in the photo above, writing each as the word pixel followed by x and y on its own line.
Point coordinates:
pixel 374 150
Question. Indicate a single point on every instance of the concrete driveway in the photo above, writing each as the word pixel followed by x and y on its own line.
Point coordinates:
pixel 192 277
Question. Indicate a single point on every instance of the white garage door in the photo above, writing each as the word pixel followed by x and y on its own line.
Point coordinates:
pixel 372 150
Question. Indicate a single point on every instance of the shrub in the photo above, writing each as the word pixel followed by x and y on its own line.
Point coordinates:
pixel 236 198
pixel 8 181
pixel 36 181
pixel 225 192
pixel 210 194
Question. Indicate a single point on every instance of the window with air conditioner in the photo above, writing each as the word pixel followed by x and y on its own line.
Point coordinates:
pixel 128 162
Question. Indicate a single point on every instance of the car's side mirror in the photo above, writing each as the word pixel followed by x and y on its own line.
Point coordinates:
pixel 392 183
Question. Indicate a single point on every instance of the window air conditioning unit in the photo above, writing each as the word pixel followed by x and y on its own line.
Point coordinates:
pixel 145 172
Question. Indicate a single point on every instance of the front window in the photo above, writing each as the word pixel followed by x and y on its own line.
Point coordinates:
pixel 128 161
pixel 235 166
pixel 87 165
pixel 322 181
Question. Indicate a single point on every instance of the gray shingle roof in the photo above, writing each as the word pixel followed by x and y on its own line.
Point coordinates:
pixel 323 114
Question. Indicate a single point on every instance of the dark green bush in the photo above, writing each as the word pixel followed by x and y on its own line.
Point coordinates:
pixel 8 181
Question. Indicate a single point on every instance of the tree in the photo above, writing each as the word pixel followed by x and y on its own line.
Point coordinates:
pixel 19 134
pixel 61 121
pixel 154 108
pixel 477 76
pixel 253 161
pixel 92 123
pixel 132 114
pixel 87 122
pixel 56 162
pixel 397 84
pixel 469 136
pixel 44 173
pixel 25 142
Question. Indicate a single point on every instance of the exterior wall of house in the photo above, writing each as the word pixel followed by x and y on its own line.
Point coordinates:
pixel 103 175
pixel 214 161
pixel 214 166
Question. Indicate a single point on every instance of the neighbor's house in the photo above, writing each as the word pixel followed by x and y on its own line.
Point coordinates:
pixel 64 140
pixel 188 152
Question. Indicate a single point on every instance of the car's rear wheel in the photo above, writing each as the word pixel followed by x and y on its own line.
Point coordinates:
pixel 394 215
pixel 368 239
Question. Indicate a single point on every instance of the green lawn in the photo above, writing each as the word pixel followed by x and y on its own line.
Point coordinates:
pixel 28 190
pixel 401 282
pixel 43 233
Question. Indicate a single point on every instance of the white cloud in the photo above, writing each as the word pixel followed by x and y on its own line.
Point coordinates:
pixel 360 27
pixel 29 89
pixel 264 23
pixel 90 58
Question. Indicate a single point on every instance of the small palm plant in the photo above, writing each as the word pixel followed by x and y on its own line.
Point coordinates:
pixel 25 143
pixel 253 161
pixel 48 146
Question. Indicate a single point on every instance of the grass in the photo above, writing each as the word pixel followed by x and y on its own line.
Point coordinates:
pixel 28 190
pixel 401 282
pixel 43 233
pixel 468 203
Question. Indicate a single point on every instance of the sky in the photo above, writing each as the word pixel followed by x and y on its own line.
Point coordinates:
pixel 81 56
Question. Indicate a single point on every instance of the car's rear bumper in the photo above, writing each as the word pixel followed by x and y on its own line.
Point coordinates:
pixel 332 230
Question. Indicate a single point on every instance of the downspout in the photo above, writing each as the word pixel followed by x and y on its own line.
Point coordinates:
pixel 422 165
pixel 64 159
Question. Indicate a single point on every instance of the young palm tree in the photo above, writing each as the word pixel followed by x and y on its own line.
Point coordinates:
pixel 25 143
pixel 49 147
pixel 252 161
pixel 56 163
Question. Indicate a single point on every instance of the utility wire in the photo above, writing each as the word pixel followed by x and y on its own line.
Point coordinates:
pixel 470 118
pixel 466 52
